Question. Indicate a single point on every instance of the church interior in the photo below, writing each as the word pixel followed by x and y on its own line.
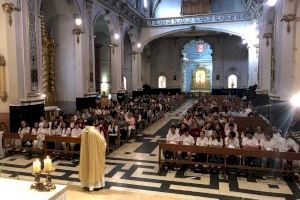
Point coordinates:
pixel 187 99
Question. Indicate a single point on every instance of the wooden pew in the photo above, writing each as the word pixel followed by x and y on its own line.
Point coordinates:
pixel 45 150
pixel 225 152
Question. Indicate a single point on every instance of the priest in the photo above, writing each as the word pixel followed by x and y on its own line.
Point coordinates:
pixel 92 157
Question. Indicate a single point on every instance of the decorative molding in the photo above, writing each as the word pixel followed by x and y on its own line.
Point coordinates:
pixel 267 36
pixel 125 10
pixel 89 6
pixel 33 45
pixel 288 18
pixel 200 19
pixel 9 8
pixel 3 93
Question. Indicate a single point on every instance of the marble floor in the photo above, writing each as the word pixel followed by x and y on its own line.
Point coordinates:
pixel 132 173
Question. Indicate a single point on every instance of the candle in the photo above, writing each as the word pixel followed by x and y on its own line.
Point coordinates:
pixel 36 167
pixel 47 164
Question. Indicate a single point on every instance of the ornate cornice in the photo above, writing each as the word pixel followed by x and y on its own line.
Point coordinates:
pixel 200 19
pixel 124 10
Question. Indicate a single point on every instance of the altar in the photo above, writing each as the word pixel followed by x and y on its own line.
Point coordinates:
pixel 18 189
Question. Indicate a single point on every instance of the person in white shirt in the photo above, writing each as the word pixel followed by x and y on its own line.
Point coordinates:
pixel 173 137
pixel 202 141
pixel 233 143
pixel 289 145
pixel 75 133
pixel 34 130
pixel 113 132
pixel 250 142
pixel 216 141
pixel 269 144
pixel 208 129
pixel 276 133
pixel 41 133
pixel 259 135
pixel 186 139
pixel 41 123
pixel 24 129
pixel 231 128
pixel 64 132
pixel 230 121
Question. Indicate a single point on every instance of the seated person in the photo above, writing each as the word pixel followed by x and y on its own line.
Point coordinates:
pixel 202 141
pixel 173 137
pixel 269 144
pixel 231 128
pixel 250 142
pixel 76 133
pixel 289 145
pixel 186 139
pixel 208 129
pixel 131 124
pixel 216 141
pixel 41 133
pixel 230 121
pixel 233 143
pixel 113 131
pixel 259 135
pixel 24 129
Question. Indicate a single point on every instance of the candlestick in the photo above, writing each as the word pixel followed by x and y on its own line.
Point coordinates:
pixel 47 165
pixel 36 167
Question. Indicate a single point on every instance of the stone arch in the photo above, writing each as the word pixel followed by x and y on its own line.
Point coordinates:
pixel 233 71
pixel 109 22
pixel 238 31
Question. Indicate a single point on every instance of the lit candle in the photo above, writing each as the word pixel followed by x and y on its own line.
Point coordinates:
pixel 36 167
pixel 47 164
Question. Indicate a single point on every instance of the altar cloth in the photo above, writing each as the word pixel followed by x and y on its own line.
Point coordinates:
pixel 18 189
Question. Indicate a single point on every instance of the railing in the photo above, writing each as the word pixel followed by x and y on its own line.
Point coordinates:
pixel 200 19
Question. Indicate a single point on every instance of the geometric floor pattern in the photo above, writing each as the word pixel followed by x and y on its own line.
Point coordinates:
pixel 133 167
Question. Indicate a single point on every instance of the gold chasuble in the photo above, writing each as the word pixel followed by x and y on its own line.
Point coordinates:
pixel 92 159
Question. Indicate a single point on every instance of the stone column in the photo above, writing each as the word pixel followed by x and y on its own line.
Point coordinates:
pixel 285 44
pixel 116 70
pixel 89 47
pixel 136 71
pixel 265 46
pixel 252 65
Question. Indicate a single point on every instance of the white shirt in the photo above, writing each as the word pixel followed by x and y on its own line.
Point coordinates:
pixel 270 145
pixel 173 138
pixel 65 132
pixel 24 130
pixel 44 131
pixel 203 142
pixel 208 133
pixel 253 142
pixel 226 127
pixel 232 143
pixel 290 144
pixel 113 130
pixel 236 133
pixel 76 132
pixel 259 136
pixel 187 140
pixel 176 131
pixel 215 142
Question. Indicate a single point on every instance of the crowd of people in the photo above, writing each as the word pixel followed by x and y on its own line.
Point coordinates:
pixel 211 123
pixel 118 121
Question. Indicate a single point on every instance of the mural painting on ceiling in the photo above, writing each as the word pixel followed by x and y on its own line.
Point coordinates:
pixel 197 67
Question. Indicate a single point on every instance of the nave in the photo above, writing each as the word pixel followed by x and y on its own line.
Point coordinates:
pixel 131 172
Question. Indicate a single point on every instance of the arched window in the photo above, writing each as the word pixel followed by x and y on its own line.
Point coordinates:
pixel 162 82
pixel 232 81
pixel 124 83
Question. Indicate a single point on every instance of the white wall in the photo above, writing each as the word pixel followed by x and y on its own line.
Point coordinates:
pixel 168 8
pixel 228 54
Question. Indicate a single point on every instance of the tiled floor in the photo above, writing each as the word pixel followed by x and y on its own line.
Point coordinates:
pixel 133 168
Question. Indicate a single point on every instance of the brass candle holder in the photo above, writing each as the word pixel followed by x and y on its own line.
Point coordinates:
pixel 37 185
pixel 49 185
